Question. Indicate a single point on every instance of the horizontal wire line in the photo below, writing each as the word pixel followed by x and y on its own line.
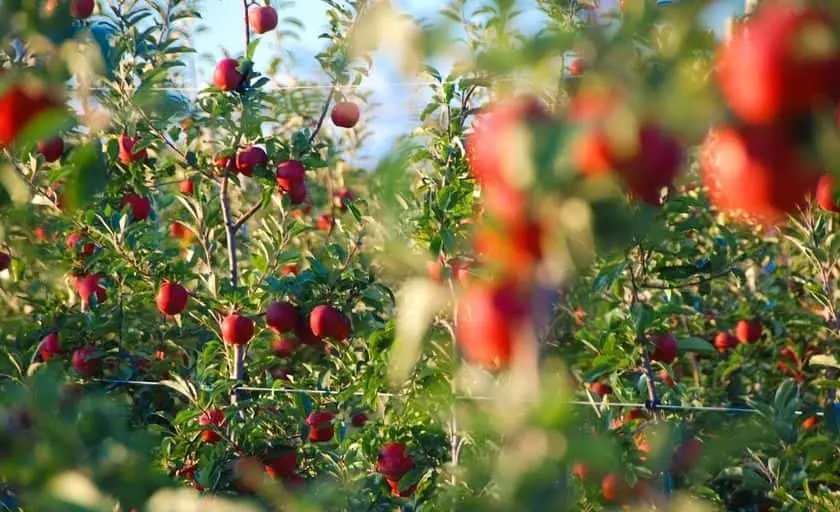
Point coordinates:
pixel 618 405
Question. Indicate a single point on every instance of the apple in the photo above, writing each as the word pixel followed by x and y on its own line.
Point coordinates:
pixel 614 488
pixel 328 322
pixel 580 470
pixel 321 428
pixel 262 18
pixel 748 331
pixel 127 153
pixel 635 414
pixel 345 114
pixel 81 9
pixel 783 62
pixel 303 331
pixel 19 105
pixel 41 234
pixel 460 269
pixel 289 174
pixel 402 493
pixel 84 362
pixel 283 347
pixel 435 270
pixel 50 346
pixel 298 194
pixel 516 247
pixel 211 418
pixel 686 455
pixel 325 222
pixel 724 341
pixel 300 213
pixel 601 389
pixel 237 329
pixel 172 299
pixel 179 231
pixel 249 158
pixel 226 76
pixel 393 461
pixel 825 194
pixel 282 464
pixel 577 67
pixel 51 149
pixel 140 207
pixel 340 197
pixel 89 285
pixel 359 419
pixel 664 348
pixel 281 316
pixel 489 318
pixel 186 187
pixel 666 378
pixel 756 171
pixel 290 269
pixel 224 162
pixel 810 422
pixel 73 244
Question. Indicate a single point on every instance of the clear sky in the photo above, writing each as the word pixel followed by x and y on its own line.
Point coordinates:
pixel 402 102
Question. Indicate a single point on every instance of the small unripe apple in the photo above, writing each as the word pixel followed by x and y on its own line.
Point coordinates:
pixel 84 362
pixel 725 341
pixel 50 346
pixel 249 158
pixel 665 348
pixel 81 9
pixel 140 207
pixel 262 18
pixel 172 299
pixel 226 76
pixel 289 174
pixel 19 106
pixel 748 331
pixel 127 153
pixel 51 149
pixel 341 197
pixel 345 114
pixel 73 244
pixel 283 347
pixel 186 187
pixel 237 329
pixel 321 428
pixel 281 316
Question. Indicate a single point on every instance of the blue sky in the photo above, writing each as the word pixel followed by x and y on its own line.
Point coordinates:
pixel 224 24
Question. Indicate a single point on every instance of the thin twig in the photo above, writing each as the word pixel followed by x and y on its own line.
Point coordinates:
pixel 247 215
pixel 323 115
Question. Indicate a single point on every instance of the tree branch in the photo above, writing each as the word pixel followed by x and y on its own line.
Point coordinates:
pixel 247 215
pixel 323 114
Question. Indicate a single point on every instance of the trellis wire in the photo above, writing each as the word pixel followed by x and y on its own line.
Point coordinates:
pixel 617 405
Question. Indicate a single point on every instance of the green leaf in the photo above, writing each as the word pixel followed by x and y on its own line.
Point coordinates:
pixel 87 176
pixel 643 316
pixel 692 344
pixel 824 360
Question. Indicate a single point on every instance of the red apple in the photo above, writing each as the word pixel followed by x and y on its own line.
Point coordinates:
pixel 172 299
pixel 340 196
pixel 756 171
pixel 359 420
pixel 825 194
pixel 281 316
pixel 84 362
pixel 73 244
pixel 810 422
pixel 298 194
pixel 328 322
pixel 81 9
pixel 601 389
pixel 325 222
pixel 89 285
pixel 249 158
pixel 665 348
pixel 686 455
pixel 127 153
pixel 283 347
pixel 580 470
pixel 5 261
pixel 614 488
pixel 224 162
pixel 402 493
pixel 303 331
pixel 140 207
pixel 748 331
pixel 211 418
pixel 237 329
pixel 289 174
pixel 290 269
pixel 226 76
pixel 179 231
pixel 345 114
pixel 281 465
pixel 725 341
pixel 489 318
pixel 50 346
pixel 394 461
pixel 784 61
pixel 51 149
pixel 186 187
pixel 577 67
pixel 666 378
pixel 321 428
pixel 19 105
pixel 262 18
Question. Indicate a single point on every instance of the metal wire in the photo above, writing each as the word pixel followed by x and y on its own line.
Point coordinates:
pixel 607 404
